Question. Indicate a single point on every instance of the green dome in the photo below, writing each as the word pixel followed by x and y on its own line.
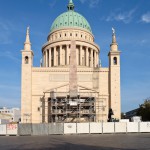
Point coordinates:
pixel 70 19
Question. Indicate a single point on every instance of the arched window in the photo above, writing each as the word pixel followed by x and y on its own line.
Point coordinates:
pixel 26 60
pixel 115 60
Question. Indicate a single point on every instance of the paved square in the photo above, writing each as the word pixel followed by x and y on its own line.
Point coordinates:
pixel 77 142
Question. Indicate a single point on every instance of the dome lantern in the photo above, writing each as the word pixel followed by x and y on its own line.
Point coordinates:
pixel 70 6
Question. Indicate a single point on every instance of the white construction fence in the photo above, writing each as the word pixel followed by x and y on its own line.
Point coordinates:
pixel 74 128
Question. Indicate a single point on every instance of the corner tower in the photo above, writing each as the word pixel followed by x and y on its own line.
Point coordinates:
pixel 114 77
pixel 26 80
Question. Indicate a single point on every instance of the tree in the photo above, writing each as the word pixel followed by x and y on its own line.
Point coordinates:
pixel 144 110
pixel 123 115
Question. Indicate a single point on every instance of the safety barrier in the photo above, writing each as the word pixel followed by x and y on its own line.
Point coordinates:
pixel 75 128
pixel 108 127
pixel 25 129
pixel 144 127
pixel 3 130
pixel 40 129
pixel 70 128
pixel 82 128
pixel 95 127
pixel 56 128
pixel 132 127
pixel 120 127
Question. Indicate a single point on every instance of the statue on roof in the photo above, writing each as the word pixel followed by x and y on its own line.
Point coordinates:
pixel 113 30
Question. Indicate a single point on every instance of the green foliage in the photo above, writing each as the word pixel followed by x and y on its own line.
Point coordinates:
pixel 123 115
pixel 144 110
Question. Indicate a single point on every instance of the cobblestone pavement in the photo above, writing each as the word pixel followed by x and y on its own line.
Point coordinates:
pixel 77 142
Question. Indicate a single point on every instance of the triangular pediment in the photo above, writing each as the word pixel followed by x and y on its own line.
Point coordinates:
pixel 65 88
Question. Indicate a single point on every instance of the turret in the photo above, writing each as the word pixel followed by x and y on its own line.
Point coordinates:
pixel 26 80
pixel 114 77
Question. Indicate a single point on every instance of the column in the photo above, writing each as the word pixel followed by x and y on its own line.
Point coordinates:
pixel 91 58
pixel 60 55
pixel 43 63
pixel 77 55
pixel 46 110
pixel 97 61
pixel 68 54
pixel 94 58
pixel 83 57
pixel 80 56
pixel 50 57
pixel 87 57
pixel 46 58
pixel 54 56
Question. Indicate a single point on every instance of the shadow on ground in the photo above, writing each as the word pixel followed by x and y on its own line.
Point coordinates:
pixel 68 146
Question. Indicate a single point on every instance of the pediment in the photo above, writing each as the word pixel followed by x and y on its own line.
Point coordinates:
pixel 65 88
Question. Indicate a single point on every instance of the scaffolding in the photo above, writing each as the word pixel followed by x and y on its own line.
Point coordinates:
pixel 60 107
pixel 70 109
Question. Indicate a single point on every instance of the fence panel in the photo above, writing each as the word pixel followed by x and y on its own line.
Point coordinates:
pixel 56 128
pixel 132 127
pixel 108 127
pixel 73 128
pixel 120 127
pixel 25 129
pixel 144 127
pixel 3 129
pixel 70 128
pixel 40 129
pixel 95 127
pixel 83 128
pixel 12 129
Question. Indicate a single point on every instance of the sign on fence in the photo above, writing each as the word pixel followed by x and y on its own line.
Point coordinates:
pixel 12 129
pixel 70 128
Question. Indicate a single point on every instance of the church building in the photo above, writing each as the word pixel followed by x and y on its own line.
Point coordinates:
pixel 70 85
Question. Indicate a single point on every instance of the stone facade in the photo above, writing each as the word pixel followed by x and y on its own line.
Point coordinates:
pixel 55 74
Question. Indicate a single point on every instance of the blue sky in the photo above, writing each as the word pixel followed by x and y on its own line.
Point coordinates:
pixel 130 18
